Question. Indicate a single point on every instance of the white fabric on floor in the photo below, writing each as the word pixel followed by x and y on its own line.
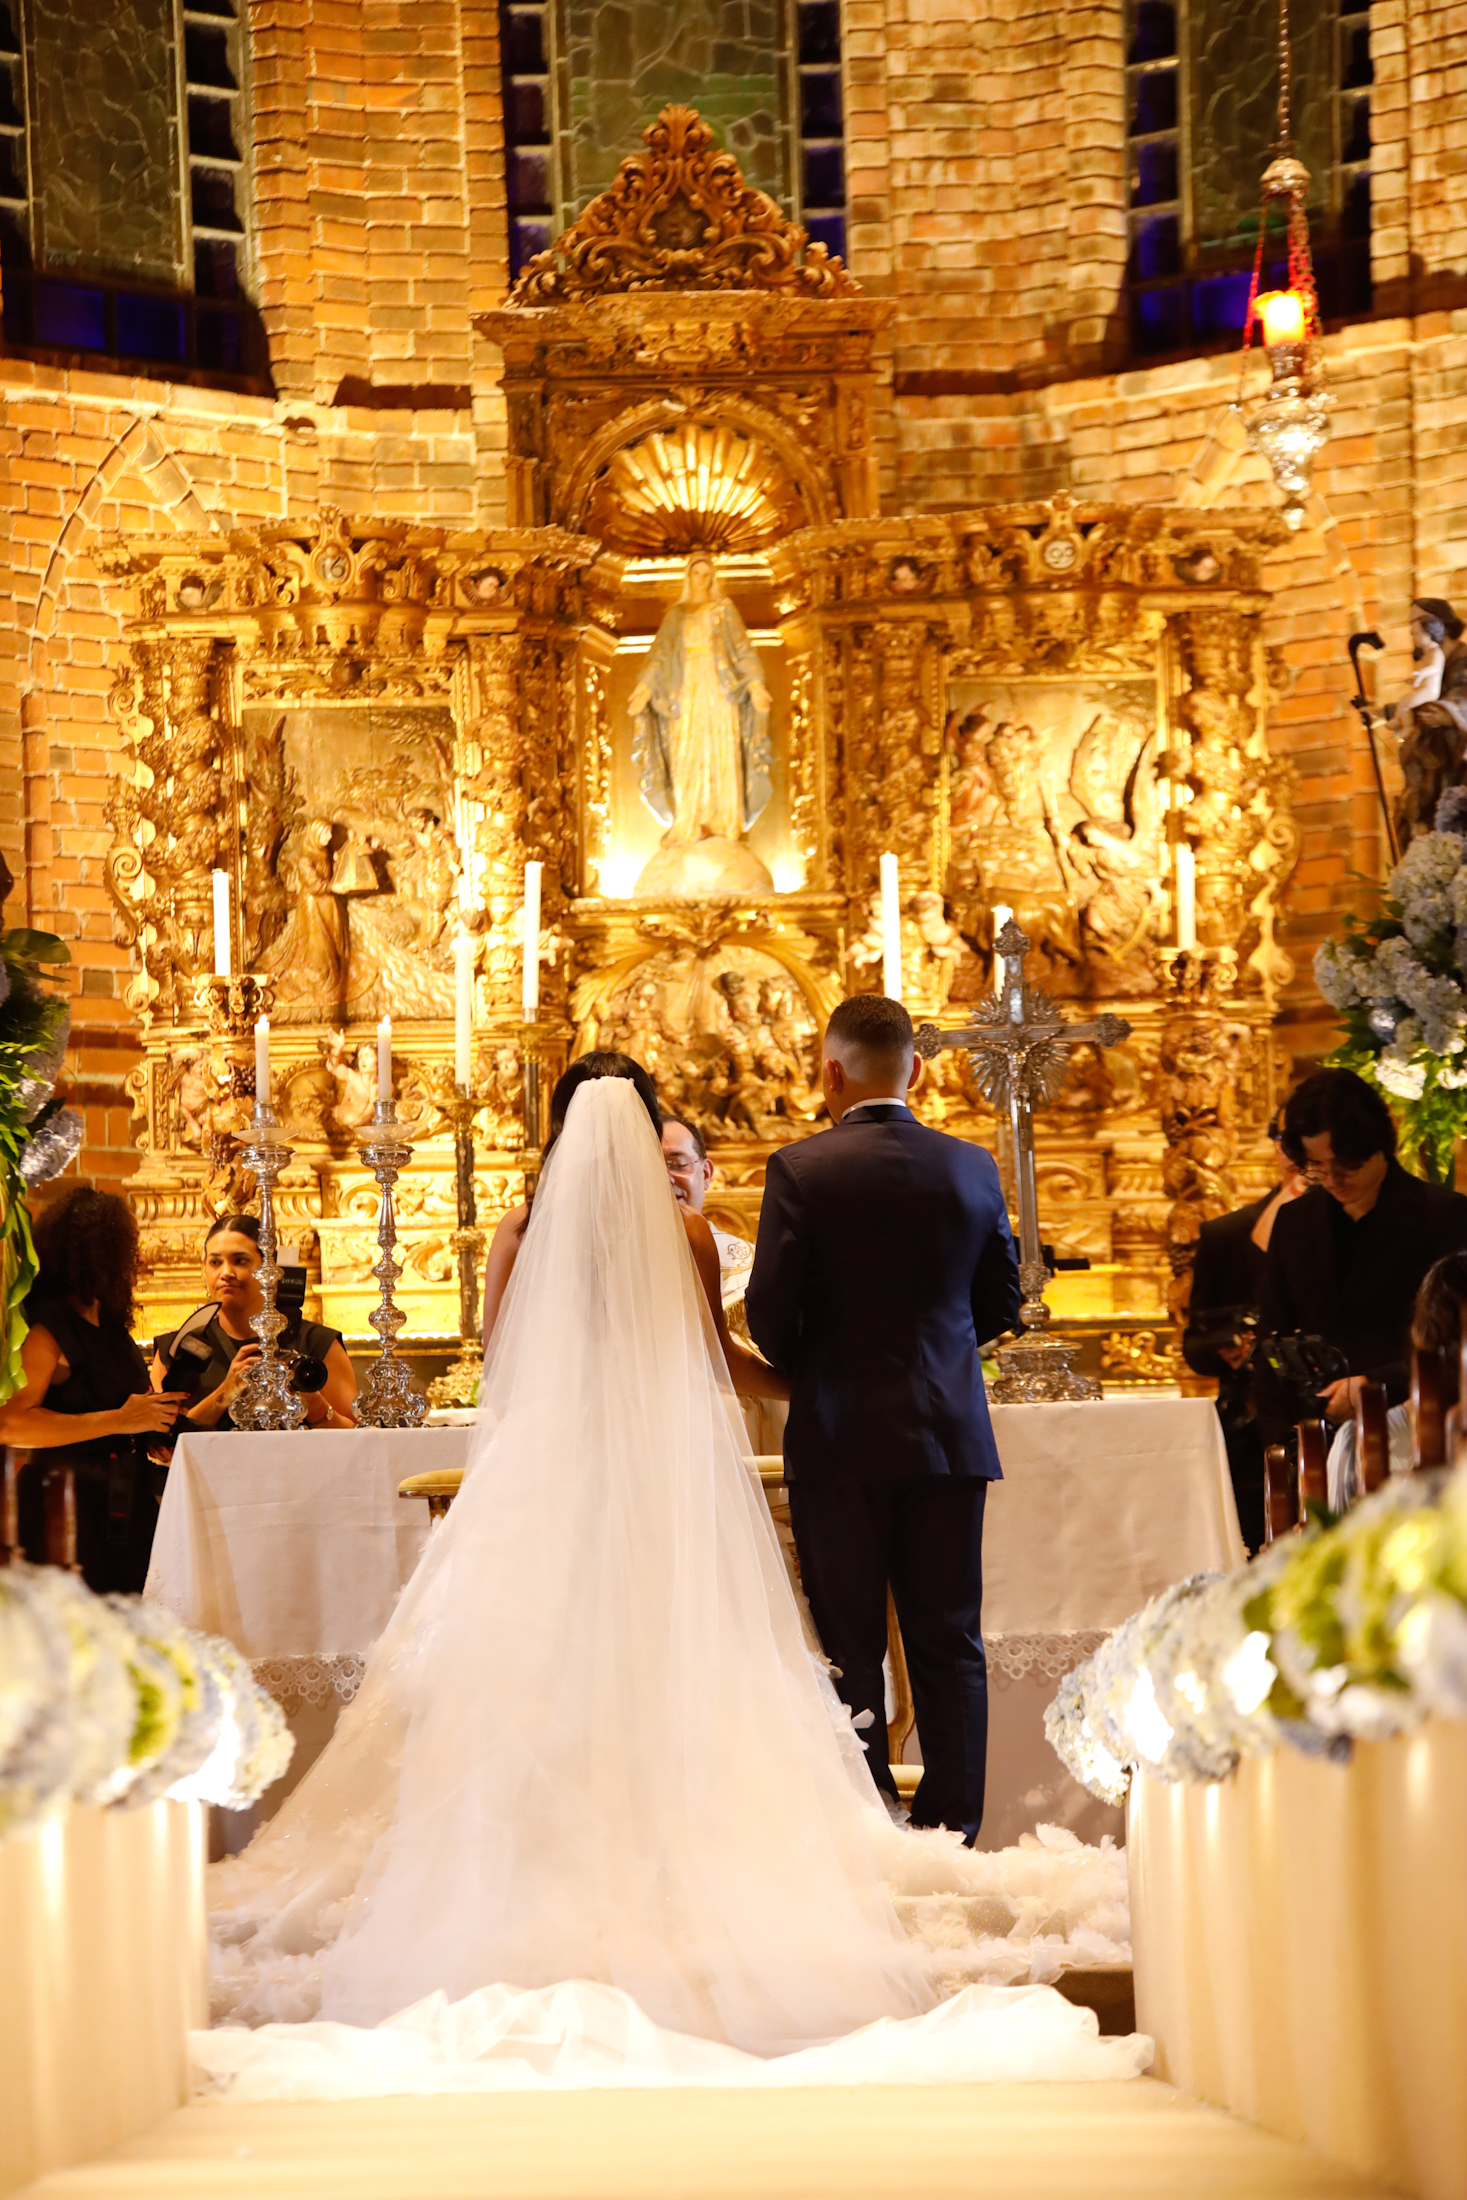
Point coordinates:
pixel 580 2034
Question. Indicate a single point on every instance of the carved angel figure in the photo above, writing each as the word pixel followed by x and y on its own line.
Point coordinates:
pixel 1115 848
pixel 356 1082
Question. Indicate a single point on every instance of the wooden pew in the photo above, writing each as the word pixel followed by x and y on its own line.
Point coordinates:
pixel 1313 1474
pixel 1372 1439
pixel 1434 1379
pixel 59 1500
pixel 1280 1493
pixel 9 1508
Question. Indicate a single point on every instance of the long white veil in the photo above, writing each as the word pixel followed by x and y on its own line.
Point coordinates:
pixel 592 1746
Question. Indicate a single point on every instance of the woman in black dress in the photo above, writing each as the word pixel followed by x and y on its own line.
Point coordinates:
pixel 85 1400
pixel 232 1287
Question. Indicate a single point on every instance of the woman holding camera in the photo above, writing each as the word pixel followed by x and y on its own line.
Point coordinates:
pixel 85 1400
pixel 213 1353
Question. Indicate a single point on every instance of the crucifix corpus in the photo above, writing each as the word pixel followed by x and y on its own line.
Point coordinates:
pixel 1019 1045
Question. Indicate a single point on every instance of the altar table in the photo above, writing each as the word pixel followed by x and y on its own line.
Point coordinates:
pixel 296 1546
pixel 1101 1507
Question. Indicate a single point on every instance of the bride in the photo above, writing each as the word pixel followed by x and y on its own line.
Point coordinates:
pixel 592 1746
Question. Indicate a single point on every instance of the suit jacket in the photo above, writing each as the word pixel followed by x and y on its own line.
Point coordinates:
pixel 1227 1272
pixel 884 1260
pixel 1367 1311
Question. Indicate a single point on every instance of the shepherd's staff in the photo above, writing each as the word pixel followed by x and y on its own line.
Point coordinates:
pixel 1371 640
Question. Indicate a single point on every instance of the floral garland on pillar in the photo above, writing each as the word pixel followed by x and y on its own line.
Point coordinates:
pixel 1398 980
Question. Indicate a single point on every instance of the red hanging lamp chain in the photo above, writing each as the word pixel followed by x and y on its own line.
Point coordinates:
pixel 1301 266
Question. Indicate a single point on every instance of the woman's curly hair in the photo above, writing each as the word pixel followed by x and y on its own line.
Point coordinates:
pixel 87 1246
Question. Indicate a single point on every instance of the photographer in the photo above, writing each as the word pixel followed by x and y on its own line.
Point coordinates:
pixel 1222 1316
pixel 85 1400
pixel 213 1352
pixel 1345 1262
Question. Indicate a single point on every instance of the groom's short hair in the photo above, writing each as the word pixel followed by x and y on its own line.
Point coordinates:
pixel 871 1026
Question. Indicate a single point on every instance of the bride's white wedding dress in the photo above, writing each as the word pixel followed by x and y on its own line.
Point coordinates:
pixel 596 1816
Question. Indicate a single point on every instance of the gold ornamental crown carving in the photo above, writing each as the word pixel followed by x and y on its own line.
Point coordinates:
pixel 680 217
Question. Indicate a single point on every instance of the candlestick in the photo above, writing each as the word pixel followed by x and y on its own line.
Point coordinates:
pixel 531 997
pixel 266 1400
pixel 463 1008
pixel 262 1063
pixel 891 929
pixel 223 944
pixel 1185 858
pixel 388 1397
pixel 384 1061
pixel 1002 915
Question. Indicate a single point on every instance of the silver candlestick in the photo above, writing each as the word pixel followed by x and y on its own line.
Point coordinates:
pixel 266 1400
pixel 389 1398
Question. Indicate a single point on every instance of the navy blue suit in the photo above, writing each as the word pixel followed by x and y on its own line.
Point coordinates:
pixel 885 1259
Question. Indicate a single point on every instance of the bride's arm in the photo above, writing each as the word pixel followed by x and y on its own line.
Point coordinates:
pixel 499 1267
pixel 750 1376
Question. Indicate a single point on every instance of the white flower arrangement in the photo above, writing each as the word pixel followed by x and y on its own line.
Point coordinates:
pixel 1399 984
pixel 111 1700
pixel 1350 1632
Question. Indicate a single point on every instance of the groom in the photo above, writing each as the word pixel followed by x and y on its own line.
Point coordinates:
pixel 884 1261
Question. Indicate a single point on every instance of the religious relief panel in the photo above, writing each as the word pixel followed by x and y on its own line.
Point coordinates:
pixel 369 865
pixel 1055 810
pixel 724 1008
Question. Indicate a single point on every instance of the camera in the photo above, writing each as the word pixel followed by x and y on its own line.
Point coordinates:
pixel 1304 1366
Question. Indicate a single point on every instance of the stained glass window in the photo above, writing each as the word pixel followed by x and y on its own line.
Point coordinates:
pixel 1202 118
pixel 124 198
pixel 583 78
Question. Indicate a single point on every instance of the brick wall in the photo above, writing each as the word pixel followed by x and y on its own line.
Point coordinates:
pixel 986 184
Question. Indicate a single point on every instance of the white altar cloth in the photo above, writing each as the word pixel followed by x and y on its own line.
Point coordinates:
pixel 295 1545
pixel 1100 1508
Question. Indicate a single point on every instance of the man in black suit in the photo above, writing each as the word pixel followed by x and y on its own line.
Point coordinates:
pixel 885 1259
pixel 1345 1261
pixel 1227 1288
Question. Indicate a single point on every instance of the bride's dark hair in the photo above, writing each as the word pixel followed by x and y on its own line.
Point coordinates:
pixel 598 1064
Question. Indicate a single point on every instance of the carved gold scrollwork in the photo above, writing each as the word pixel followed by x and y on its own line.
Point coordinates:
pixel 679 217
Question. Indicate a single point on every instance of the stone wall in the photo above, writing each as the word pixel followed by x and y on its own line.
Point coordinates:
pixel 986 196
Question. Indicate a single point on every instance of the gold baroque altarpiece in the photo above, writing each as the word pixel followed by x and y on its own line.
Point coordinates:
pixel 371 728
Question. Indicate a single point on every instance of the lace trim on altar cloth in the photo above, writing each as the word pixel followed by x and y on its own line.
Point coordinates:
pixel 311 1678
pixel 1048 1657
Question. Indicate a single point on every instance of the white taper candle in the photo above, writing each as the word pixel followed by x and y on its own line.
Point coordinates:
pixel 891 929
pixel 384 1060
pixel 1185 857
pixel 531 995
pixel 463 1008
pixel 262 1062
pixel 223 945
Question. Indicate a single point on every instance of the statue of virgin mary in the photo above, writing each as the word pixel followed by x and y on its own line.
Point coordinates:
pixel 700 713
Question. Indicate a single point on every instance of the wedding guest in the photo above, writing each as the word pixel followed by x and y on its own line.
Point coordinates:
pixel 232 1289
pixel 85 1400
pixel 1436 1326
pixel 1227 1287
pixel 1346 1260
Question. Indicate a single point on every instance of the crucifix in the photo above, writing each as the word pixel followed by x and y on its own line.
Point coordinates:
pixel 1019 1045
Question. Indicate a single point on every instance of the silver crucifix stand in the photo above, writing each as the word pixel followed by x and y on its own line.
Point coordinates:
pixel 1019 1045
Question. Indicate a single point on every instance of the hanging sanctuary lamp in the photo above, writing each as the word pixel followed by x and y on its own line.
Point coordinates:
pixel 1290 422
